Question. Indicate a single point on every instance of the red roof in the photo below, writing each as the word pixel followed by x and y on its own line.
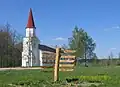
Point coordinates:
pixel 30 23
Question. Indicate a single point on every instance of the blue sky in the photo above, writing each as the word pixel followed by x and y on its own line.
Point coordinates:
pixel 55 20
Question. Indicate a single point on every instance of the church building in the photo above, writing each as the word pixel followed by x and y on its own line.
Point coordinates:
pixel 34 53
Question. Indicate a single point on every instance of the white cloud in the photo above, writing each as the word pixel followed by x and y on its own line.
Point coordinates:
pixel 112 48
pixel 114 27
pixel 60 39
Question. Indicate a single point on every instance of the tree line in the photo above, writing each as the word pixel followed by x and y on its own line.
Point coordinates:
pixel 10 47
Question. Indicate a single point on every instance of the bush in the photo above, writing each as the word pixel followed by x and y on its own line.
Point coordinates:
pixel 92 85
pixel 91 79
pixel 118 63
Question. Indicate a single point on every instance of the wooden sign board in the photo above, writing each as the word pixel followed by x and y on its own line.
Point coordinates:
pixel 69 51
pixel 67 56
pixel 68 61
pixel 66 65
pixel 62 69
pixel 63 59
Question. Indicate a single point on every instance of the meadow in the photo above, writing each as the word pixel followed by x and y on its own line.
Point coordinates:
pixel 44 78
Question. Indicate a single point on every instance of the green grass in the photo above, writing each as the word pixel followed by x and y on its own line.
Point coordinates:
pixel 38 78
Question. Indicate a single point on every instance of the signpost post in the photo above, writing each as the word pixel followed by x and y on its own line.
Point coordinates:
pixel 56 68
pixel 68 62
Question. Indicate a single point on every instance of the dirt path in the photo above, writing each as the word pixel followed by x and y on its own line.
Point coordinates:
pixel 19 68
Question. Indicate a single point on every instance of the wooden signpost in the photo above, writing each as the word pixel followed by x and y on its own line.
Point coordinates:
pixel 67 63
pixel 56 68
pixel 63 63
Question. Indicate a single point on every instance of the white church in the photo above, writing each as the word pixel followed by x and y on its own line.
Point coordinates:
pixel 35 54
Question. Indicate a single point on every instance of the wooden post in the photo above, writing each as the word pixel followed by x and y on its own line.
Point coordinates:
pixel 56 68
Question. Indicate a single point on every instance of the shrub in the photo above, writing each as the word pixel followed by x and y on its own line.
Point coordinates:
pixel 118 63
pixel 90 78
pixel 92 85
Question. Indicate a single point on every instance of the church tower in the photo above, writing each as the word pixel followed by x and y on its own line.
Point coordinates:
pixel 30 54
pixel 30 28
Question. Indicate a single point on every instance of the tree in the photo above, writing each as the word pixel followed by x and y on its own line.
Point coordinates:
pixel 118 61
pixel 82 43
pixel 108 62
pixel 111 57
pixel 10 47
pixel 75 42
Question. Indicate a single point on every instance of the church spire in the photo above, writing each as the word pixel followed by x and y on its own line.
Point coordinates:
pixel 30 23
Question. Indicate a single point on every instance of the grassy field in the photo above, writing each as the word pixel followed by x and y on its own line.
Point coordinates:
pixel 40 78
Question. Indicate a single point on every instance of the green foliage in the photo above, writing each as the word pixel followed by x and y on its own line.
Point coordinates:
pixel 82 43
pixel 29 83
pixel 91 78
pixel 92 85
pixel 118 62
pixel 10 47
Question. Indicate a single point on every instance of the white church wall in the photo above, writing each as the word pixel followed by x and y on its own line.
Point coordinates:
pixel 37 53
pixel 36 61
pixel 40 57
pixel 24 60
pixel 25 52
pixel 34 52
pixel 30 32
